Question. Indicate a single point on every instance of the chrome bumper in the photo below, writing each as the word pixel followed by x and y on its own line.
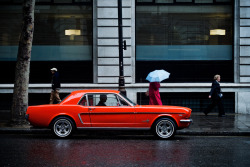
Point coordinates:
pixel 186 120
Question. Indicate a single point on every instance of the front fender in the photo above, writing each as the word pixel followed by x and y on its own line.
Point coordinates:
pixel 171 116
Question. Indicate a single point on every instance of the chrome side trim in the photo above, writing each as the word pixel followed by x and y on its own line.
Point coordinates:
pixel 158 113
pixel 111 113
pixel 186 120
pixel 79 115
pixel 113 128
pixel 132 112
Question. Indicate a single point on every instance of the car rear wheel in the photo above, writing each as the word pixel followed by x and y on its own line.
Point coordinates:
pixel 165 128
pixel 63 127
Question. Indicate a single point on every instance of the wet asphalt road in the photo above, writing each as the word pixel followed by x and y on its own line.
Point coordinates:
pixel 45 150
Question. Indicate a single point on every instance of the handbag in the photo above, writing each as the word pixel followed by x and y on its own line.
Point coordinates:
pixel 220 95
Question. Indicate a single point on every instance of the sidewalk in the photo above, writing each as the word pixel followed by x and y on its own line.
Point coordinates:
pixel 232 124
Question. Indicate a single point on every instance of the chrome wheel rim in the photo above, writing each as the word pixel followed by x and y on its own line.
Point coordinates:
pixel 62 127
pixel 165 129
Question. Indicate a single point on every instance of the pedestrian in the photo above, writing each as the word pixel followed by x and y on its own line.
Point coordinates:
pixel 216 96
pixel 154 94
pixel 56 85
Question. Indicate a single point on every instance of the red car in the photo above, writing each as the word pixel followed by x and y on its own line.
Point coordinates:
pixel 107 110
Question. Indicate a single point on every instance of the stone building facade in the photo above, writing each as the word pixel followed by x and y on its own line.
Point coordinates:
pixel 105 62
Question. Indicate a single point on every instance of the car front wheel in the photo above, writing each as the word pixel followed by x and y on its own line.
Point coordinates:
pixel 165 128
pixel 62 127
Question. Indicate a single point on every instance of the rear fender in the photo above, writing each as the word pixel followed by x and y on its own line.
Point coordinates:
pixel 61 115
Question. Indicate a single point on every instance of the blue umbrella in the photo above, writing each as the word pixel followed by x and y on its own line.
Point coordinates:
pixel 157 76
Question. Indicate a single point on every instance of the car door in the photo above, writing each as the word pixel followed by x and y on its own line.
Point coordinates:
pixel 107 111
pixel 84 112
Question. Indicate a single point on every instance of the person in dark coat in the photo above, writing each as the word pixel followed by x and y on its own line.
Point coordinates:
pixel 154 94
pixel 216 96
pixel 56 85
pixel 103 99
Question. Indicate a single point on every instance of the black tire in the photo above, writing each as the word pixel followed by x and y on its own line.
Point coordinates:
pixel 164 128
pixel 62 127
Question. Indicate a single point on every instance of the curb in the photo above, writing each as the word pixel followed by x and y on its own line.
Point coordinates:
pixel 224 133
pixel 10 130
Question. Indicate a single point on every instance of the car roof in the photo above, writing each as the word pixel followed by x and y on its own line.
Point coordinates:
pixel 95 91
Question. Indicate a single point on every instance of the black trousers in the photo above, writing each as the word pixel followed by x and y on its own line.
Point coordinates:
pixel 215 102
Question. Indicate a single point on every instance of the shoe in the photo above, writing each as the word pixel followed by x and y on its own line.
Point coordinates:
pixel 223 115
pixel 205 113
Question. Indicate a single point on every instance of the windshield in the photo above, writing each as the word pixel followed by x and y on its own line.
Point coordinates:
pixel 127 99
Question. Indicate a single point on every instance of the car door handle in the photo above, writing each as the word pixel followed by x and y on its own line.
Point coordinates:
pixel 91 109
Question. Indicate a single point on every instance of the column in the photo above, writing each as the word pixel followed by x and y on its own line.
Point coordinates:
pixel 107 46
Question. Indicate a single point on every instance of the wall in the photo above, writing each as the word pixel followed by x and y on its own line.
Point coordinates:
pixel 107 47
pixel 244 58
pixel 105 56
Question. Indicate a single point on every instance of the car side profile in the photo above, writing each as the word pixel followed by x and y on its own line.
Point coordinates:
pixel 107 110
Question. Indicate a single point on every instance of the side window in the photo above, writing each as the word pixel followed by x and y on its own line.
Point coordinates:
pixel 91 99
pixel 103 99
pixel 94 99
pixel 87 100
pixel 112 100
pixel 83 101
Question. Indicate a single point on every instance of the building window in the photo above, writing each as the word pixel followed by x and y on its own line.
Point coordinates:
pixel 62 39
pixel 190 39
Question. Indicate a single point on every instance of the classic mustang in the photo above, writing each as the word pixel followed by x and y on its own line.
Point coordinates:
pixel 107 109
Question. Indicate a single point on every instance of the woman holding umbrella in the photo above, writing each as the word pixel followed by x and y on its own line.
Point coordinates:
pixel 154 94
pixel 155 78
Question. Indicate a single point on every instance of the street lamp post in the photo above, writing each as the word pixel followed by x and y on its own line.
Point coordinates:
pixel 120 33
